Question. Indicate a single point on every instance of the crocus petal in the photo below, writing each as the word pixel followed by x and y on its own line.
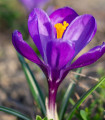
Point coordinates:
pixel 59 54
pixel 81 31
pixel 40 28
pixel 90 57
pixel 50 9
pixel 63 14
pixel 23 48
pixel 30 4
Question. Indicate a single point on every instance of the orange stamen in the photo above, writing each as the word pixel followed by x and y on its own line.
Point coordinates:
pixel 60 28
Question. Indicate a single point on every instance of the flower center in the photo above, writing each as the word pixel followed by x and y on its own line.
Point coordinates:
pixel 60 28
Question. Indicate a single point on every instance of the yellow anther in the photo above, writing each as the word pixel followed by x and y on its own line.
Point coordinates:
pixel 60 28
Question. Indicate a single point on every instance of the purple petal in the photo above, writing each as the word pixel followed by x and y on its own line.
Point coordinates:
pixel 50 9
pixel 90 57
pixel 40 29
pixel 23 48
pixel 59 53
pixel 81 31
pixel 63 14
pixel 30 4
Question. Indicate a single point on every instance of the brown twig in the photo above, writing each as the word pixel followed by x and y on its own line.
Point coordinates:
pixel 96 79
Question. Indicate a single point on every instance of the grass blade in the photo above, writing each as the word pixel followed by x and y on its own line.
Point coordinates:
pixel 79 70
pixel 67 95
pixel 14 112
pixel 34 87
pixel 65 100
pixel 84 96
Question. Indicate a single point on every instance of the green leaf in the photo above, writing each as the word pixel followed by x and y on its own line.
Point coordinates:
pixel 71 101
pixel 84 96
pixel 65 100
pixel 45 118
pixel 83 115
pixel 34 87
pixel 14 112
pixel 79 70
pixel 38 117
pixel 67 95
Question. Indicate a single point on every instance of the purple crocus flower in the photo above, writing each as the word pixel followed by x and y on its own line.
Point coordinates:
pixel 59 38
pixel 30 4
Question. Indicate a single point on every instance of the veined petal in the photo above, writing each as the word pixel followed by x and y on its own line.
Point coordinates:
pixel 81 31
pixel 59 53
pixel 63 14
pixel 90 57
pixel 40 29
pixel 23 48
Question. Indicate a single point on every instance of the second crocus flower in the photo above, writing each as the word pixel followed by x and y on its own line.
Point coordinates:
pixel 31 4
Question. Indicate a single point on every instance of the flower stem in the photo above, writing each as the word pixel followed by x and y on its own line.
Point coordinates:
pixel 51 112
